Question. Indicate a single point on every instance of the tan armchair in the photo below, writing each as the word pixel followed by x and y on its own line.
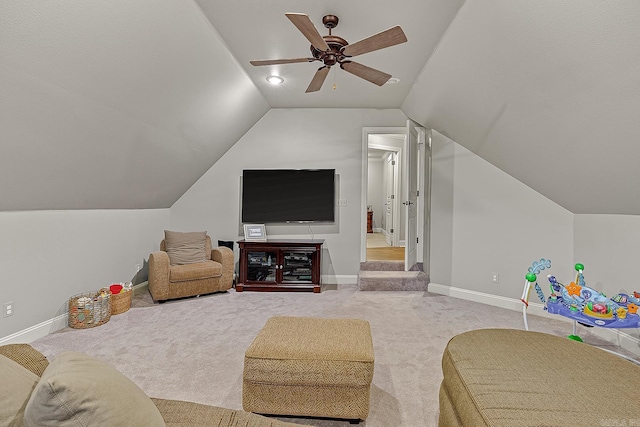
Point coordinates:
pixel 168 281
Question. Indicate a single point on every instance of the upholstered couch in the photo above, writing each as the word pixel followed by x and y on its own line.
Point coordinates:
pixel 511 378
pixel 203 270
pixel 78 390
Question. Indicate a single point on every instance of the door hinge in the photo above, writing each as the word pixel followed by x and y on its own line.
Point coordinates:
pixel 417 240
pixel 391 231
pixel 418 193
pixel 393 162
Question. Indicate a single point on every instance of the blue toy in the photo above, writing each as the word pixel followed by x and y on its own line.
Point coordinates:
pixel 581 303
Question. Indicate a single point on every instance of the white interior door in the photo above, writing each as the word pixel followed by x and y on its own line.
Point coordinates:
pixel 424 199
pixel 410 193
pixel 388 203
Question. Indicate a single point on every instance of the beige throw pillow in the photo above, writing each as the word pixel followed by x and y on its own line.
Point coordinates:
pixel 185 248
pixel 16 385
pixel 78 390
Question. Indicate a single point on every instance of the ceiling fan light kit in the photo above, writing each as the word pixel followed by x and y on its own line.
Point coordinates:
pixel 332 50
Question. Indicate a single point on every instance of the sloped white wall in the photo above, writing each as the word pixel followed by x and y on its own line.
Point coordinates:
pixel 485 221
pixel 114 104
pixel 48 256
pixel 542 83
pixel 290 138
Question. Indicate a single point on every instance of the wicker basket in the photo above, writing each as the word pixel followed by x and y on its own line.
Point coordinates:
pixel 120 302
pixel 90 309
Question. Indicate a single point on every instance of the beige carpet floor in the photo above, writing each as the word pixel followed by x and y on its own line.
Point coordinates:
pixel 192 349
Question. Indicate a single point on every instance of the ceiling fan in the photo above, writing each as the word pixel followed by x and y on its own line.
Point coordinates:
pixel 332 50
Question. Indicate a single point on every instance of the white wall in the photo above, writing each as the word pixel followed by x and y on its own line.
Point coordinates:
pixel 48 256
pixel 607 245
pixel 485 221
pixel 441 230
pixel 375 190
pixel 291 138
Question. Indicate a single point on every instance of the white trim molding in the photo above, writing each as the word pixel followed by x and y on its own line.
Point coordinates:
pixel 40 330
pixel 43 329
pixel 345 279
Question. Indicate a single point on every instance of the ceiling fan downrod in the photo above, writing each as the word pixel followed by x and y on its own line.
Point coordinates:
pixel 334 55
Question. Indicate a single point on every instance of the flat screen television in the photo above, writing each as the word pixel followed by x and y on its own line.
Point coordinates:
pixel 288 195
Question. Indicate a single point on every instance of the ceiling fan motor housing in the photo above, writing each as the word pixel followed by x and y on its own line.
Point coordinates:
pixel 334 54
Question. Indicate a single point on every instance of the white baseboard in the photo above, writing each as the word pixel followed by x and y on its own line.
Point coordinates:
pixel 140 288
pixel 614 336
pixel 37 331
pixel 332 279
pixel 43 329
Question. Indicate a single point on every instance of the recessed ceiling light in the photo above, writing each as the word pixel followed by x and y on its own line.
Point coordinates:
pixel 275 80
pixel 393 81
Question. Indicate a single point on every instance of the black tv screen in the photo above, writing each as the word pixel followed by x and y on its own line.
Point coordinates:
pixel 288 195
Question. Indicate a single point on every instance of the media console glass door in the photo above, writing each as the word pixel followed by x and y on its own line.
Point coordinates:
pixel 297 266
pixel 280 265
pixel 262 266
pixel 293 266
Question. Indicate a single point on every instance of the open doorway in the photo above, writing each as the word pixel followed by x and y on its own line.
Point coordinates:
pixel 383 239
pixel 395 195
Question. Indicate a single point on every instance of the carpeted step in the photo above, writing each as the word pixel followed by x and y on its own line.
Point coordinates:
pixel 392 280
pixel 382 266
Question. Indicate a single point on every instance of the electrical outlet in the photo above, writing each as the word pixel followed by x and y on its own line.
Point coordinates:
pixel 8 309
pixel 342 202
pixel 495 278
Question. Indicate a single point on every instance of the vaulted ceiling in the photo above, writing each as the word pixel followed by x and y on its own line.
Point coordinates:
pixel 126 103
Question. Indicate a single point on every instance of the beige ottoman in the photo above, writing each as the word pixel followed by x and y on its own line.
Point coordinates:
pixel 309 367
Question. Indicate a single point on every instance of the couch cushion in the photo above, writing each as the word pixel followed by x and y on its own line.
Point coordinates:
pixel 16 385
pixel 505 377
pixel 201 270
pixel 78 390
pixel 185 248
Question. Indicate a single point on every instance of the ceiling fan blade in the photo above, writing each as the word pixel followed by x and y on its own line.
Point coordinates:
pixel 306 27
pixel 318 79
pixel 280 61
pixel 370 74
pixel 390 37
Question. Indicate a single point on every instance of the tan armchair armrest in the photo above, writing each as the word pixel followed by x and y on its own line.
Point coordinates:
pixel 224 256
pixel 159 275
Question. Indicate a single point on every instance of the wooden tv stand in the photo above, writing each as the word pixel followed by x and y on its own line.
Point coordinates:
pixel 280 265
